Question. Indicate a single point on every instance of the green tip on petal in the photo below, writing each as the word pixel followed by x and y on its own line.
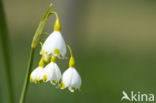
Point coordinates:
pixel 60 80
pixel 54 82
pixel 62 85
pixel 60 56
pixel 44 78
pixel 56 51
pixel 72 89
pixel 40 81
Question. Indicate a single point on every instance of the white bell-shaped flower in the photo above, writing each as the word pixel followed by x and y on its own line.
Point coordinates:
pixel 54 45
pixel 71 79
pixel 36 75
pixel 51 72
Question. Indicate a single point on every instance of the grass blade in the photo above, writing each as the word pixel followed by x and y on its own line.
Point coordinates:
pixel 4 39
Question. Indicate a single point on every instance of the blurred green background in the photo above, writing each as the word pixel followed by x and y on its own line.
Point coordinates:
pixel 114 43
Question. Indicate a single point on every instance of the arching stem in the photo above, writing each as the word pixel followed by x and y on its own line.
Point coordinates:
pixel 33 46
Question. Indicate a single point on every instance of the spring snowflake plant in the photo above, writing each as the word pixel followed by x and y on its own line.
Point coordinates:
pixel 52 48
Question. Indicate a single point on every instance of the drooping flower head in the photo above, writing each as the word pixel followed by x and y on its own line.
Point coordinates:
pixel 36 73
pixel 55 44
pixel 51 72
pixel 71 77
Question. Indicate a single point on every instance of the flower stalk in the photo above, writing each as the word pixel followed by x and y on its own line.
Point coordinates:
pixel 72 60
pixel 26 81
pixel 31 57
pixel 57 25
pixel 40 27
pixel 54 46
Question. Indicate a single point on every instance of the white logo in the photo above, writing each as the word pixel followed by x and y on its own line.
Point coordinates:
pixel 137 97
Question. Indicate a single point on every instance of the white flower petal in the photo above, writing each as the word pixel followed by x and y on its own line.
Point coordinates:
pixel 66 78
pixel 56 74
pixel 47 72
pixel 71 79
pixel 51 73
pixel 54 42
pixel 35 75
pixel 39 74
pixel 76 80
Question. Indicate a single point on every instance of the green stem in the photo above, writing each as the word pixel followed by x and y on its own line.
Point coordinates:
pixel 57 25
pixel 6 54
pixel 40 27
pixel 70 50
pixel 26 82
pixel 33 46
pixel 72 60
